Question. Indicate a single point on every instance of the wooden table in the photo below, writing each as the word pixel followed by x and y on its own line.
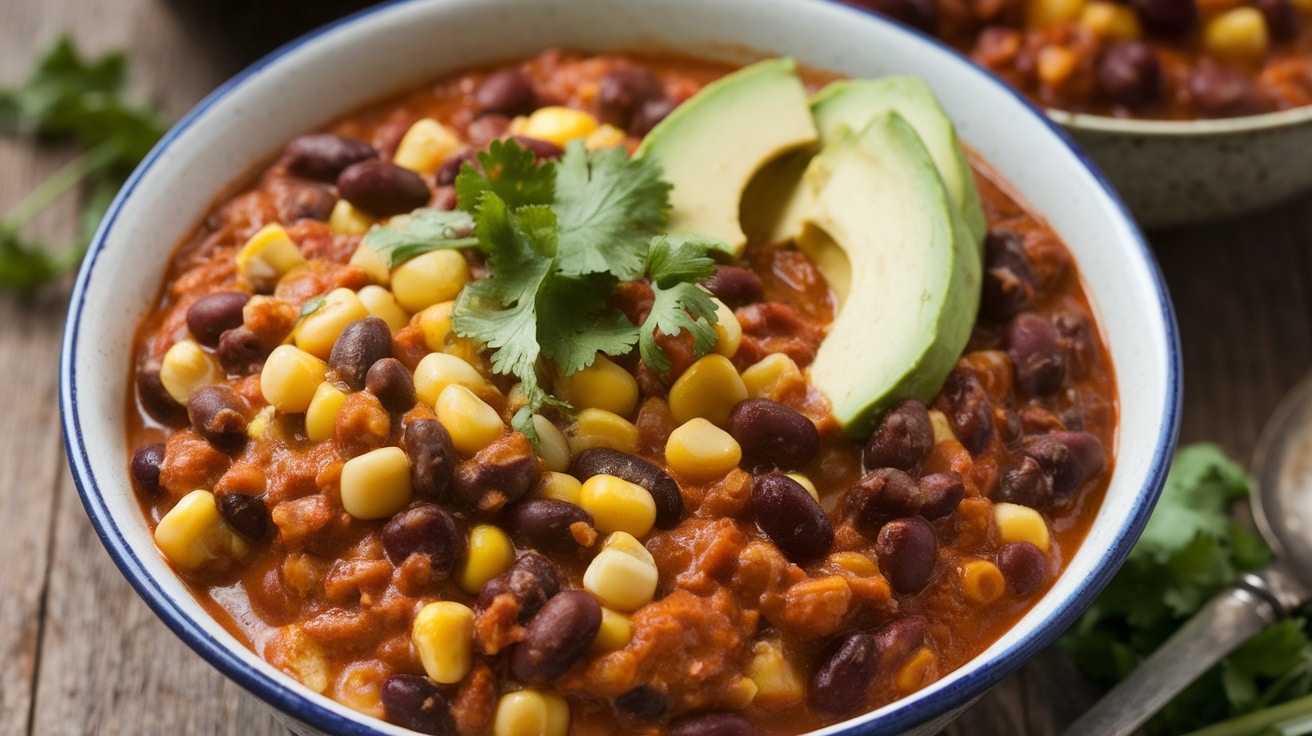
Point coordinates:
pixel 81 654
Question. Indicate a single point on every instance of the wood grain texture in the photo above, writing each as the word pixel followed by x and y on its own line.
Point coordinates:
pixel 83 655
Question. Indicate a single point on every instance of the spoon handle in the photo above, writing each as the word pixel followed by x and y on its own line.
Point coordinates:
pixel 1222 624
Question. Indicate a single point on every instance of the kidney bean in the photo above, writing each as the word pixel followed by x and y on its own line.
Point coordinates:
pixel 531 581
pixel 388 380
pixel 882 495
pixel 323 156
pixel 790 517
pixel 548 524
pixel 382 188
pixel 557 637
pixel 898 639
pixel 413 702
pixel 652 112
pixel 309 203
pixel 496 475
pixel 487 128
pixel 1219 91
pixel 735 286
pixel 841 683
pixel 241 352
pixel 1077 337
pixel 361 343
pixel 1024 566
pixel 940 494
pixel 155 399
pixel 642 702
pixel 219 415
pixel 450 168
pixel 773 435
pixel 1008 285
pixel 1035 353
pixel 621 92
pixel 902 439
pixel 906 549
pixel 712 724
pixel 1025 483
pixel 664 491
pixel 1281 19
pixel 1167 18
pixel 425 529
pixel 432 457
pixel 1067 458
pixel 246 514
pixel 1130 74
pixel 544 150
pixel 214 313
pixel 144 469
pixel 966 405
pixel 508 92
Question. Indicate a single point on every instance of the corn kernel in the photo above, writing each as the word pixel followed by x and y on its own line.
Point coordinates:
pixel 560 486
pixel 623 575
pixel 558 125
pixel 938 421
pixel 605 136
pixel 1056 64
pixel 430 278
pixel 435 324
pixel 436 371
pixel 701 451
pixel 617 505
pixel 601 428
pixel 615 632
pixel 185 368
pixel 981 581
pixel 1111 21
pixel 359 687
pixel 728 330
pixel 443 634
pixel 259 424
pixel 472 424
pixel 740 693
pixel 367 259
pixel 709 388
pixel 855 563
pixel 1040 14
pixel 290 377
pixel 771 376
pixel 1237 36
pixel 380 303
pixel 318 331
pixel 425 146
pixel 553 448
pixel 531 713
pixel 193 533
pixel 376 485
pixel 1017 523
pixel 345 219
pixel 321 415
pixel 777 683
pixel 917 672
pixel 267 256
pixel 602 385
pixel 490 554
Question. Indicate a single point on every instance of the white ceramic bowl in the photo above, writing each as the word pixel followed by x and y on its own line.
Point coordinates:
pixel 400 45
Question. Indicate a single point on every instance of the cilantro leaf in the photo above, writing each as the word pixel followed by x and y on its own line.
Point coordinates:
pixel 1199 491
pixel 582 324
pixel 420 232
pixel 672 259
pixel 609 207
pixel 683 306
pixel 511 172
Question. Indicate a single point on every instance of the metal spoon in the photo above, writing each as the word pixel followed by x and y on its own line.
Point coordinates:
pixel 1282 507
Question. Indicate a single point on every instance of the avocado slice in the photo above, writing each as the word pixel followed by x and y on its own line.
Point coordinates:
pixel 714 143
pixel 915 270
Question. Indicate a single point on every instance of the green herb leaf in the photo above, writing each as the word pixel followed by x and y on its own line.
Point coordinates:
pixel 420 232
pixel 683 306
pixel 509 171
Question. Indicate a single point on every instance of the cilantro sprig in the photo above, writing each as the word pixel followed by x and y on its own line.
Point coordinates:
pixel 559 239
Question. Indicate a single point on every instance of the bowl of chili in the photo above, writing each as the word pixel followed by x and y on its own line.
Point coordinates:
pixel 264 479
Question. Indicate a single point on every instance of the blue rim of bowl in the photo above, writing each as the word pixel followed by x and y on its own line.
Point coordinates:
pixel 896 717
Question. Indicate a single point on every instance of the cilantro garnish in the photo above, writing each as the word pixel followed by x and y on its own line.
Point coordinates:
pixel 559 238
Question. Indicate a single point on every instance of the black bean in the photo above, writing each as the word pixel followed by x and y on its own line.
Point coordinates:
pixel 309 203
pixel 1008 285
pixel 880 496
pixel 557 637
pixel 508 92
pixel 966 405
pixel 1130 74
pixel 712 724
pixel 425 529
pixel 1025 483
pixel 544 150
pixel 487 128
pixel 241 352
pixel 501 473
pixel 841 683
pixel 381 188
pixel 1281 19
pixel 899 639
pixel 531 582
pixel 212 314
pixel 735 286
pixel 621 92
pixel 323 156
pixel 652 112
pixel 549 525
pixel 1167 18
pixel 773 435
pixel 145 467
pixel 432 457
pixel 1219 91
pixel 664 491
pixel 219 415
pixel 903 438
pixel 940 494
pixel 907 549
pixel 155 399
pixel 413 702
pixel 1024 566
pixel 248 515
pixel 1036 355
pixel 388 380
pixel 791 518
pixel 1067 458
pixel 361 343
pixel 642 702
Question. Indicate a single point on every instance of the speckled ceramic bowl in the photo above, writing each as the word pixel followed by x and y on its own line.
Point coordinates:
pixel 1176 173
pixel 398 46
